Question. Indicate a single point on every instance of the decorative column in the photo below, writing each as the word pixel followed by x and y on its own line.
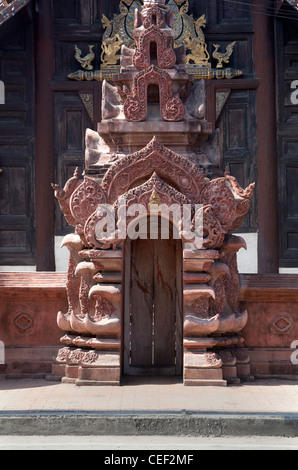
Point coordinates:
pixel 202 366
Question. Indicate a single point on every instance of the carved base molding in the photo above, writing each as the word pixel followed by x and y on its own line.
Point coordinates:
pixel 212 342
pixel 92 325
pixel 91 368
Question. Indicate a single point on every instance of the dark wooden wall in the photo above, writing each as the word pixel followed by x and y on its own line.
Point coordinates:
pixel 287 120
pixel 75 22
pixel 228 21
pixel 17 116
pixel 45 107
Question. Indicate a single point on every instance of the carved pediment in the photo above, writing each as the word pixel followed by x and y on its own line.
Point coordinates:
pixel 168 165
pixel 154 192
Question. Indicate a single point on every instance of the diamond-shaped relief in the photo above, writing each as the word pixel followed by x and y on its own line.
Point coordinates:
pixel 23 321
pixel 281 324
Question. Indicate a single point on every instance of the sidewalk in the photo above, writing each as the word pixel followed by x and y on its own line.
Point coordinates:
pixel 149 406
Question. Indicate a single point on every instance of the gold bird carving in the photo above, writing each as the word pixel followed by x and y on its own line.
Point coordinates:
pixel 223 57
pixel 87 60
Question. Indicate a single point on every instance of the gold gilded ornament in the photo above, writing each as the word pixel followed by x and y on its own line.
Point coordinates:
pixel 110 49
pixel 87 60
pixel 223 57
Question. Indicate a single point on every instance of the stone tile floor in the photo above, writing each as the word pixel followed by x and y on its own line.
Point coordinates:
pixel 149 395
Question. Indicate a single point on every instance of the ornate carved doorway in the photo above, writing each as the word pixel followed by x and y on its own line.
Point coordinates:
pixel 153 307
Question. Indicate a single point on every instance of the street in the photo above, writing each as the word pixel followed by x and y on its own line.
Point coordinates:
pixel 112 444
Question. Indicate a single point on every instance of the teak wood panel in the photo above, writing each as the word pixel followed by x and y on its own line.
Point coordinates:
pixel 164 302
pixel 71 122
pixel 142 298
pixel 239 145
pixel 287 125
pixel 17 210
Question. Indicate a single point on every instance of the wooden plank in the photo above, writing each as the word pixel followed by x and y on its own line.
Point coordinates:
pixel 164 302
pixel 237 84
pixel 179 308
pixel 287 66
pixel 141 302
pixel 126 305
pixel 17 212
pixel 85 12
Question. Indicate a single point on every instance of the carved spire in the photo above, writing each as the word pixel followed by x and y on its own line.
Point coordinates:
pixel 153 54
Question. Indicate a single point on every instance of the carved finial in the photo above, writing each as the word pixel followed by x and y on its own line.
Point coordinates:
pixel 154 202
pixel 76 173
pixel 227 171
pixel 58 191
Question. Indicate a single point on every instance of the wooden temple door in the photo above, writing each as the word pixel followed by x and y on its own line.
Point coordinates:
pixel 153 307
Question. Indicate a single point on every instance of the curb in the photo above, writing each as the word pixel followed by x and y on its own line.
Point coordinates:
pixel 180 424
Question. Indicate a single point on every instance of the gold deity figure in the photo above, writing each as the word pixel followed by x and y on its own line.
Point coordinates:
pixel 110 49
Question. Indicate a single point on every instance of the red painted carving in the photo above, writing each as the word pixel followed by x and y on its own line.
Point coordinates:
pixel 85 200
pixel 64 195
pixel 232 285
pixel 73 284
pixel 142 195
pixel 89 357
pixel 135 106
pixel 213 232
pixel 230 203
pixel 90 229
pixel 169 166
pixel 165 194
pixel 62 355
pixel 103 308
pixel 75 357
pixel 166 57
pixel 84 298
pixel 153 15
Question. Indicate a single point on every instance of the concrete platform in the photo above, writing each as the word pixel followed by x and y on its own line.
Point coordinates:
pixel 151 406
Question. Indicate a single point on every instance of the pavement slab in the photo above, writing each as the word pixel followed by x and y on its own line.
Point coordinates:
pixel 151 406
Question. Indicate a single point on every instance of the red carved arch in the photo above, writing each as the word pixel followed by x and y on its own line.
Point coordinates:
pixel 142 195
pixel 148 14
pixel 135 106
pixel 166 57
pixel 155 157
